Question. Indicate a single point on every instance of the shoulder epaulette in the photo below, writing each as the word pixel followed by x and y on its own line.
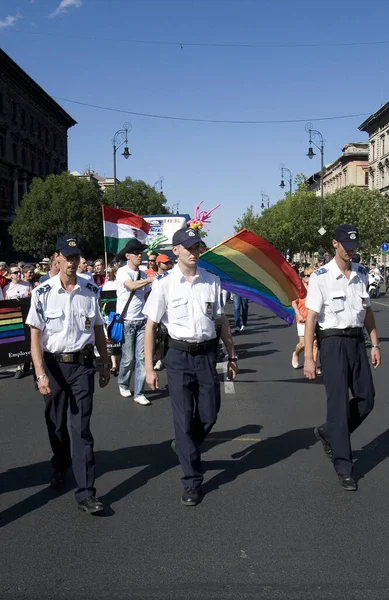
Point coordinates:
pixel 320 271
pixel 362 269
pixel 162 275
pixel 92 287
pixel 44 289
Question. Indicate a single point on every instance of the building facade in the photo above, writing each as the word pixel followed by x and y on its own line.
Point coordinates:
pixel 351 168
pixel 102 182
pixel 377 128
pixel 33 141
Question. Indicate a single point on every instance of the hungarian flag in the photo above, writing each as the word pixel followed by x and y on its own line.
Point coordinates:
pixel 120 226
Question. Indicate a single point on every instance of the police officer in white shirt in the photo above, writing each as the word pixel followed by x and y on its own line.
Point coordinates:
pixel 66 322
pixel 130 279
pixel 338 302
pixel 187 301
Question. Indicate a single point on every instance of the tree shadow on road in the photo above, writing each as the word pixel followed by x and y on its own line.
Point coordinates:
pixel 371 455
pixel 155 458
pixel 260 455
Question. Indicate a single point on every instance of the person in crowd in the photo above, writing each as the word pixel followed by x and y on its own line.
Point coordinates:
pixel 301 315
pixel 111 285
pixel 3 268
pixel 187 300
pixel 164 264
pixel 82 270
pixel 28 274
pixel 17 288
pixel 241 311
pixel 1 294
pixel 44 266
pixel 63 357
pixel 99 274
pixel 90 267
pixel 152 266
pixel 338 302
pixel 133 285
pixel 53 269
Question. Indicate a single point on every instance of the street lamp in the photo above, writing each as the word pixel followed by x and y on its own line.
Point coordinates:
pixel 120 136
pixel 263 204
pixel 159 184
pixel 283 177
pixel 314 134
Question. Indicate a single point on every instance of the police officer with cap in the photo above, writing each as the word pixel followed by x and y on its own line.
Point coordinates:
pixel 339 306
pixel 186 300
pixel 66 323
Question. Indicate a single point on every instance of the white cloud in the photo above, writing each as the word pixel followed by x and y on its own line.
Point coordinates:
pixel 64 5
pixel 9 21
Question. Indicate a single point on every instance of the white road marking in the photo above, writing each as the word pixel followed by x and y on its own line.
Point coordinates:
pixel 381 303
pixel 229 386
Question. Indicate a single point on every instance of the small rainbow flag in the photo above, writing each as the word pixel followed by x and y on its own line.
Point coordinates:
pixel 252 268
pixel 11 325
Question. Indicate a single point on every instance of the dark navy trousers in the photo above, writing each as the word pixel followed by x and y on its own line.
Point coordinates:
pixel 72 388
pixel 194 390
pixel 345 367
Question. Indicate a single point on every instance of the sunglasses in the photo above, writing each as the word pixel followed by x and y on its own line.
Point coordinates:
pixel 306 276
pixel 137 253
pixel 15 272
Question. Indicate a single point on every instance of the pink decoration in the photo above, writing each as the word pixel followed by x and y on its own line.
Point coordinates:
pixel 201 217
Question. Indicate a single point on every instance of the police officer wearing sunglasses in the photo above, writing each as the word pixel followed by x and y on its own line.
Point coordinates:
pixel 66 323
pixel 338 302
pixel 186 300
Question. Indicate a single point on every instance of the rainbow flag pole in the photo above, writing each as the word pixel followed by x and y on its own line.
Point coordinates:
pixel 251 267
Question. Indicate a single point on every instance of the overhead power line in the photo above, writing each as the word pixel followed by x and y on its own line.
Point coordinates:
pixel 198 120
pixel 182 44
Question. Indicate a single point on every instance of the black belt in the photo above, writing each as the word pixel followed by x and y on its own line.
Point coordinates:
pixel 193 347
pixel 83 357
pixel 347 332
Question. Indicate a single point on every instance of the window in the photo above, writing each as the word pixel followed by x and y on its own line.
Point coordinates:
pixel 39 130
pixel 382 175
pixel 23 117
pixel 40 166
pixel 32 125
pixel 382 145
pixel 14 111
pixel 46 135
pixel 24 157
pixel 32 160
pixel 366 177
pixel 54 141
pixel 345 177
pixel 47 167
pixel 15 153
pixel 2 147
pixel 373 151
pixel 1 102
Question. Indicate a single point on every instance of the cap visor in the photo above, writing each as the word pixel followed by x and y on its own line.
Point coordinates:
pixel 189 243
pixel 351 245
pixel 71 251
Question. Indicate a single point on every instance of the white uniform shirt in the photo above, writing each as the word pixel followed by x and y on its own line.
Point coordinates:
pixel 1 294
pixel 66 320
pixel 187 309
pixel 135 309
pixel 339 302
pixel 17 290
pixel 86 275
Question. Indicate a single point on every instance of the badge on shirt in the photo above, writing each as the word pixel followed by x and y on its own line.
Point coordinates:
pixel 209 309
pixel 364 304
pixel 87 323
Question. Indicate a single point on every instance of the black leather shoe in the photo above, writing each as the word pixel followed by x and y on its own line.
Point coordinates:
pixel 191 496
pixel 57 479
pixel 91 505
pixel 348 483
pixel 319 434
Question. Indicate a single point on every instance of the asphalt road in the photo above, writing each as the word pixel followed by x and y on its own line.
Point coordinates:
pixel 274 523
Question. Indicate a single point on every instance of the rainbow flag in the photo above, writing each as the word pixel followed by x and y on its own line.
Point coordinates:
pixel 11 325
pixel 252 268
pixel 120 226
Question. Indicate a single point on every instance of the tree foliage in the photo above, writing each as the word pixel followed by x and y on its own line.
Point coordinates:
pixel 55 206
pixel 137 197
pixel 294 221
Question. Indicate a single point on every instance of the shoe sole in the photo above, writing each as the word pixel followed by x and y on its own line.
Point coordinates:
pixel 349 489
pixel 323 443
pixel 190 503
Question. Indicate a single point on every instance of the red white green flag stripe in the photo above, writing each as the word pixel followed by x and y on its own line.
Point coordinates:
pixel 120 226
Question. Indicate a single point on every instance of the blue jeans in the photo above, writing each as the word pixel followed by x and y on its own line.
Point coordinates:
pixel 239 303
pixel 133 357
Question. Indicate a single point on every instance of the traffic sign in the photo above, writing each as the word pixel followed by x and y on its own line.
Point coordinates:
pixel 385 247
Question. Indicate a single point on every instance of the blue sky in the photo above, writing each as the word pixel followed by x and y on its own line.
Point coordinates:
pixel 213 162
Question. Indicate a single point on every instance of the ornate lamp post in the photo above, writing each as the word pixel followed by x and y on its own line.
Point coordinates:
pixel 283 177
pixel 314 134
pixel 120 138
pixel 263 196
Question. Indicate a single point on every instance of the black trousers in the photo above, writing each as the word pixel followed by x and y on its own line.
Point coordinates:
pixel 345 366
pixel 72 387
pixel 194 390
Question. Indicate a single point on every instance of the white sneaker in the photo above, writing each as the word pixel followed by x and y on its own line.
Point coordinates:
pixel 142 400
pixel 124 392
pixel 158 365
pixel 242 328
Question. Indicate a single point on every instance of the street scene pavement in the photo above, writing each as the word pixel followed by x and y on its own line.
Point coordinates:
pixel 273 524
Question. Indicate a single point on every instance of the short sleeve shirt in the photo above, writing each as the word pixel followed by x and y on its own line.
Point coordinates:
pixel 17 290
pixel 187 309
pixel 135 310
pixel 67 320
pixel 339 302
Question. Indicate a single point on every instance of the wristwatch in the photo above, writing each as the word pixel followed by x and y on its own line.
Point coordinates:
pixel 232 359
pixel 376 346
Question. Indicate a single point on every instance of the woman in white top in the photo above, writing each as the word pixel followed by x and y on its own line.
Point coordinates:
pixel 17 288
pixel 111 285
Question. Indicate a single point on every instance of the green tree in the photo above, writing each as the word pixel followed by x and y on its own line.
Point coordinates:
pixel 137 197
pixel 55 206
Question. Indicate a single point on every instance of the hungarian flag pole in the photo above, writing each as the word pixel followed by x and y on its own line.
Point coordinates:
pixel 119 227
